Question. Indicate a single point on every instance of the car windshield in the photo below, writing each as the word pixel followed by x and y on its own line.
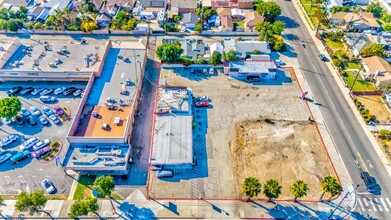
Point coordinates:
pixel 47 184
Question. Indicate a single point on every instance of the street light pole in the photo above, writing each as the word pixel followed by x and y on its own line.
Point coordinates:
pixel 339 204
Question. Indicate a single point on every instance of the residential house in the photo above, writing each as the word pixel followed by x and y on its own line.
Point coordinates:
pixel 53 5
pixel 126 5
pixel 78 4
pixel 379 69
pixel 244 70
pixel 338 18
pixel 237 14
pixel 223 12
pixel 14 4
pixel 339 3
pixel 226 24
pixel 245 48
pixel 41 12
pixel 216 47
pixel 251 19
pixel 180 7
pixel 189 20
pixel 153 5
pixel 193 48
pixel 109 10
pixel 355 21
pixel 242 4
pixel 36 12
pixel 357 42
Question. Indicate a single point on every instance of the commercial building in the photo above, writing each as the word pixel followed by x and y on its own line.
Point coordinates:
pixel 264 69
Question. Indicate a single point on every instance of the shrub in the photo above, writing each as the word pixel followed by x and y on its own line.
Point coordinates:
pixel 337 62
pixel 358 104
pixel 365 116
pixel 384 132
pixel 355 99
pixel 53 143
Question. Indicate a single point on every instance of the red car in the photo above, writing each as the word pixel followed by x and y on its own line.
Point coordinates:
pixel 59 110
pixel 202 103
pixel 41 151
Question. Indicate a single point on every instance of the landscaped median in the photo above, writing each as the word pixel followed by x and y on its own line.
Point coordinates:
pixel 55 148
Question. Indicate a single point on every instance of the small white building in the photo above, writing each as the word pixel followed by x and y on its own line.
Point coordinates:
pixel 242 70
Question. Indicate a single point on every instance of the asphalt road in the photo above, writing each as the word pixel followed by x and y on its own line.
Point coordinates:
pixel 345 129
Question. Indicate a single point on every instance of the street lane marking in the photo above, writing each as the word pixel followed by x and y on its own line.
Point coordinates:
pixel 362 161
pixel 366 204
pixel 384 204
pixel 373 205
pixel 377 202
pixel 360 203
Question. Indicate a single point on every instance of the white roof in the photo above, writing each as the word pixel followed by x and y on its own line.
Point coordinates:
pixel 216 47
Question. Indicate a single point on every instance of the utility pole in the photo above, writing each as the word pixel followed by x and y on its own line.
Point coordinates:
pixel 339 204
pixel 355 79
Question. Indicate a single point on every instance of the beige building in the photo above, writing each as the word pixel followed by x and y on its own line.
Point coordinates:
pixel 379 69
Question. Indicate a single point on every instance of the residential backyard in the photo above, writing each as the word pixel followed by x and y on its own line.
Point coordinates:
pixel 334 45
pixel 360 85
pixel 376 107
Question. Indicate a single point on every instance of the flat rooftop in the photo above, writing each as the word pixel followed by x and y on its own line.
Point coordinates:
pixel 253 66
pixel 97 157
pixel 118 75
pixel 173 140
pixel 56 57
pixel 173 99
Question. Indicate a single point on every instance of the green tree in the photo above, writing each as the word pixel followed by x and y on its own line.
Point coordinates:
pixel 278 43
pixel 231 55
pixel 88 26
pixel 251 187
pixel 130 25
pixel 200 60
pixel 170 52
pixel 256 52
pixel 215 59
pixel 278 27
pixel 267 30
pixel 375 8
pixel 9 107
pixel 104 185
pixel 386 17
pixel 185 60
pixel 177 18
pixel 208 13
pixel 331 186
pixel 83 207
pixel 171 28
pixel 38 25
pixel 31 202
pixel 88 5
pixel 14 25
pixel 22 13
pixel 30 25
pixel 270 10
pixel 198 27
pixel 373 50
pixel 299 189
pixel 272 189
pixel 387 27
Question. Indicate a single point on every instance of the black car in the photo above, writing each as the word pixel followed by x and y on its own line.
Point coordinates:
pixel 322 57
pixel 14 90
pixel 69 91
pixel 369 181
pixel 19 119
pixel 26 90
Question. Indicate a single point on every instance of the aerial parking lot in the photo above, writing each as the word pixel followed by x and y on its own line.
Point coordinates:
pixel 28 173
pixel 236 113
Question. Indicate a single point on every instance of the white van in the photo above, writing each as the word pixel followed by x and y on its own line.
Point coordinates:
pixel 29 143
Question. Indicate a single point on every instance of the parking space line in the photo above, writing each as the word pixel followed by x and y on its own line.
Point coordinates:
pixel 360 203
pixel 377 202
pixel 22 180
pixel 2 190
pixel 37 182
pixel 373 205
pixel 9 181
pixel 384 204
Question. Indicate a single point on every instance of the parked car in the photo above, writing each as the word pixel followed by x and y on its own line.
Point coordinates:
pixel 29 143
pixel 46 91
pixel 202 103
pixel 43 120
pixel 54 119
pixel 8 140
pixel 25 112
pixel 59 90
pixel 164 174
pixel 6 121
pixel 26 90
pixel 5 157
pixel 19 120
pixel 14 90
pixel 369 181
pixel 78 92
pixel 47 111
pixel 41 144
pixel 69 91
pixel 59 110
pixel 35 110
pixel 40 152
pixel 49 187
pixel 322 57
pixel 46 98
pixel 20 156
pixel 36 91
pixel 30 120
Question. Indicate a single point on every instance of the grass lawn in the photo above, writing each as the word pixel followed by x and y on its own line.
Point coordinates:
pixel 334 45
pixel 305 2
pixel 82 190
pixel 239 23
pixel 353 66
pixel 313 9
pixel 360 85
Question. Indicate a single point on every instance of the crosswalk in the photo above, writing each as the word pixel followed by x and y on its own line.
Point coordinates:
pixel 373 204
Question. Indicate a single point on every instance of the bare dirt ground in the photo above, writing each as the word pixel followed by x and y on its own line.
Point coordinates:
pixel 376 107
pixel 281 150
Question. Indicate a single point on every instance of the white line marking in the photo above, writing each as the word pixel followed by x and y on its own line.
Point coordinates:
pixel 360 203
pixel 365 201
pixel 377 202
pixel 373 205
pixel 2 190
pixel 9 181
pixel 384 204
pixel 22 180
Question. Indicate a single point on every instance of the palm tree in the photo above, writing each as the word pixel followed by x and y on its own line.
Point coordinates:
pixel 272 189
pixel 299 189
pixel 67 12
pixel 330 185
pixel 251 187
pixel 59 15
pixel 89 5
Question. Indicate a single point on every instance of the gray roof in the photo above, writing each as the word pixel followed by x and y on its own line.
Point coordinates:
pixel 173 140
pixel 253 67
pixel 153 3
pixel 193 48
pixel 357 40
pixel 190 18
pixel 243 48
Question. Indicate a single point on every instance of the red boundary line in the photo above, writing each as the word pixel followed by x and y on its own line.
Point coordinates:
pixel 243 200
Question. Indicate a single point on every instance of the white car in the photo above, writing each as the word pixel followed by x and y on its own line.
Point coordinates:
pixel 49 187
pixel 6 121
pixel 77 92
pixel 46 91
pixel 8 140
pixel 5 157
pixel 25 112
pixel 55 119
pixel 58 91
pixel 41 144
pixel 35 111
pixel 37 91
pixel 47 110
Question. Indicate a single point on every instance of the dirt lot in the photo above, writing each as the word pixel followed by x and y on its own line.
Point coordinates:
pixel 281 150
pixel 376 106
pixel 232 102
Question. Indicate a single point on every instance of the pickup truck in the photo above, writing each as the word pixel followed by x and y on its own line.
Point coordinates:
pixel 20 156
